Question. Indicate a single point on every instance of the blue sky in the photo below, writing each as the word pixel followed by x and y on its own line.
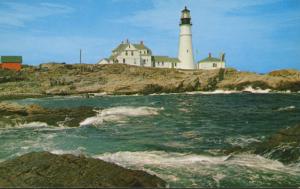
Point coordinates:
pixel 256 35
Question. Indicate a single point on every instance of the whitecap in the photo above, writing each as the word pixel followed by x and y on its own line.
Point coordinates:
pixel 287 108
pixel 218 91
pixel 178 165
pixel 257 90
pixel 78 151
pixel 241 140
pixel 34 124
pixel 119 114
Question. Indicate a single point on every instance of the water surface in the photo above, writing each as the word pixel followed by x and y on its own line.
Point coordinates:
pixel 178 137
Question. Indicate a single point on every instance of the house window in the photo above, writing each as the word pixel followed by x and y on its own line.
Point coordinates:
pixel 131 53
pixel 124 61
pixel 187 50
pixel 162 63
pixel 175 64
pixel 126 53
pixel 214 65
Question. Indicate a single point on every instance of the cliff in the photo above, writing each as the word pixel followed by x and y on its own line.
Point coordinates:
pixel 67 79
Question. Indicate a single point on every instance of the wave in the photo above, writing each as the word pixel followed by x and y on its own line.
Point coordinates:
pixel 241 141
pixel 203 170
pixel 219 91
pixel 181 160
pixel 258 90
pixel 287 108
pixel 80 150
pixel 119 113
pixel 36 124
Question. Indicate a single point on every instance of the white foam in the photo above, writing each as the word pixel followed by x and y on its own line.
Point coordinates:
pixel 287 108
pixel 241 141
pixel 99 94
pixel 158 158
pixel 258 90
pixel 26 125
pixel 188 162
pixel 34 124
pixel 119 114
pixel 78 151
pixel 218 91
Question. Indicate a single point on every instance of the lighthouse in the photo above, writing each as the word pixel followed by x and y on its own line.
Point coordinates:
pixel 185 52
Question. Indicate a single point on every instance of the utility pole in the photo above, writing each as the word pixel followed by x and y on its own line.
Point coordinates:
pixel 80 56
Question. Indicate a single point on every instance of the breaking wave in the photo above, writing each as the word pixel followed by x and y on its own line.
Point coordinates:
pixel 119 113
pixel 201 170
pixel 287 108
pixel 241 141
pixel 26 125
pixel 78 151
pixel 218 91
pixel 258 90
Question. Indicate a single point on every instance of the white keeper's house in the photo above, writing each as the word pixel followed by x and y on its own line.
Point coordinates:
pixel 139 54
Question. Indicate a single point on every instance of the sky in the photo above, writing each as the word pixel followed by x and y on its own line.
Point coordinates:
pixel 256 35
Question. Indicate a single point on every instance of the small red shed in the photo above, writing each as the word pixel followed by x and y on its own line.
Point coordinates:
pixel 11 62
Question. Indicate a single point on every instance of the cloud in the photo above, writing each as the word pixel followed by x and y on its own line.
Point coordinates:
pixel 14 14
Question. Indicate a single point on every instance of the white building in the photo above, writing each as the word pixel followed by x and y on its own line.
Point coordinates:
pixel 103 61
pixel 138 55
pixel 165 62
pixel 212 63
pixel 132 54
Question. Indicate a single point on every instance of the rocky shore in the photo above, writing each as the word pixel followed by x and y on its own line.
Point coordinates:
pixel 43 169
pixel 115 79
pixel 13 114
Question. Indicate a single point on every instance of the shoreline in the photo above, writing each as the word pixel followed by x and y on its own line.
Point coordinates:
pixel 103 94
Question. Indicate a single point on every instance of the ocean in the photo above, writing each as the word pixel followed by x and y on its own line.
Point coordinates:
pixel 178 137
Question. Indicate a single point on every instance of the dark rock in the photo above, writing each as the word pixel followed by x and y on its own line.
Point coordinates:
pixel 43 169
pixel 283 146
pixel 152 88
pixel 12 113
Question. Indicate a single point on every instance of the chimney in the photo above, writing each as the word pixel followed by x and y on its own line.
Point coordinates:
pixel 142 42
pixel 222 57
pixel 209 55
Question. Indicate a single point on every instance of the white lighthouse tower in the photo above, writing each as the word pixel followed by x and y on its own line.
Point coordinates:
pixel 185 54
